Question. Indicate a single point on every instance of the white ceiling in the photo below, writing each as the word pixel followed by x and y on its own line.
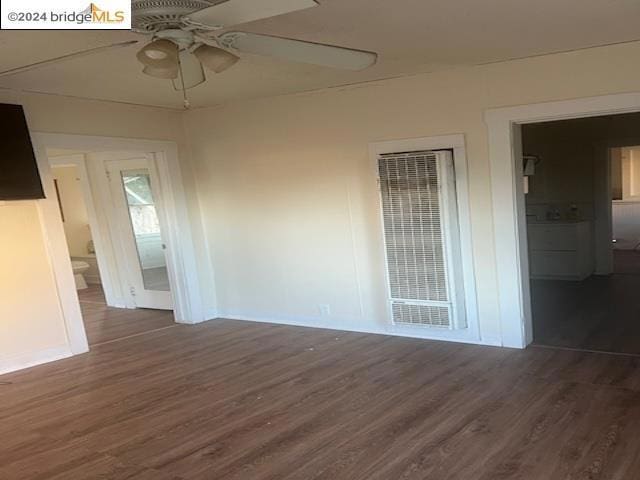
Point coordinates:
pixel 411 36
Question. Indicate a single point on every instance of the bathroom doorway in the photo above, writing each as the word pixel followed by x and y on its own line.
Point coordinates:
pixel 109 206
pixel 113 215
pixel 90 153
pixel 70 195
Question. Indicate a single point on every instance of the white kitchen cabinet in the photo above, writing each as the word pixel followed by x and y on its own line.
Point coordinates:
pixel 560 250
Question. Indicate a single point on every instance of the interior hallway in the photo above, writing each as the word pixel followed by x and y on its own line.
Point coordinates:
pixel 105 324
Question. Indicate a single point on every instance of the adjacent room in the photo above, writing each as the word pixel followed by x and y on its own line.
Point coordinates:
pixel 583 232
pixel 319 239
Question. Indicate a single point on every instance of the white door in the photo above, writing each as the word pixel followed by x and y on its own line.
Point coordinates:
pixel 137 210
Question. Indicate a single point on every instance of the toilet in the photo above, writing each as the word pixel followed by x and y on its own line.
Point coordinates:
pixel 79 267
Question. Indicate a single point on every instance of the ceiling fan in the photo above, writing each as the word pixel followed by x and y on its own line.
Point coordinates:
pixel 184 39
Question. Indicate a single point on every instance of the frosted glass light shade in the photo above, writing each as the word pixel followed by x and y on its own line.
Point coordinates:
pixel 214 58
pixel 167 73
pixel 159 54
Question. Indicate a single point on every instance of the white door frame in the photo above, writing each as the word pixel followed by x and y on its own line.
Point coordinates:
pixel 185 284
pixel 508 199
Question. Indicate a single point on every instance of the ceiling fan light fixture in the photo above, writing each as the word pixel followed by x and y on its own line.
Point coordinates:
pixel 215 58
pixel 159 54
pixel 166 73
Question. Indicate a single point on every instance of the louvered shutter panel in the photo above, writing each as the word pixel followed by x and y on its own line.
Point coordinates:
pixel 419 213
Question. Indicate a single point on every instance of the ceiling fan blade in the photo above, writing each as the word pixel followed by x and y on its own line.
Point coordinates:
pixel 192 73
pixel 233 12
pixel 299 51
pixel 70 56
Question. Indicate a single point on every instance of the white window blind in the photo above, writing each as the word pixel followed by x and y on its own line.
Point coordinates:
pixel 421 233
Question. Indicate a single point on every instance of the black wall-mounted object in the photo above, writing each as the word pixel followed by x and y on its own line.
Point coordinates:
pixel 19 176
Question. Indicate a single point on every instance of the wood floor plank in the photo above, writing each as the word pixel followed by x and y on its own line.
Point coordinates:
pixel 105 324
pixel 599 313
pixel 236 400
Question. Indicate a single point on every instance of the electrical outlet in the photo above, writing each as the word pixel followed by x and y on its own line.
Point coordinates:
pixel 325 310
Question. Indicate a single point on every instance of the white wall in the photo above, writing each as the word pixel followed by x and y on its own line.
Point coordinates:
pixel 289 196
pixel 31 326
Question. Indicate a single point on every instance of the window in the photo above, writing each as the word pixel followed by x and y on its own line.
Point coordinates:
pixel 422 242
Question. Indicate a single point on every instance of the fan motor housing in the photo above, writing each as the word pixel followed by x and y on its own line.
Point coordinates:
pixel 155 15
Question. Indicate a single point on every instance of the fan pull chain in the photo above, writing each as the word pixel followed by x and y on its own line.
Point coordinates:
pixel 185 99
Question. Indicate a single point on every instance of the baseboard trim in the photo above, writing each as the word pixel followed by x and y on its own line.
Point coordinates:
pixel 465 337
pixel 494 341
pixel 31 359
pixel 119 305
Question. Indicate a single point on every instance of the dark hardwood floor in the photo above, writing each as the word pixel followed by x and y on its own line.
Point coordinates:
pixel 92 294
pixel 235 400
pixel 626 262
pixel 105 324
pixel 601 313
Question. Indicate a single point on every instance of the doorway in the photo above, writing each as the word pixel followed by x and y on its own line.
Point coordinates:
pixel 182 265
pixel 125 216
pixel 625 209
pixel 504 124
pixel 70 196
pixel 582 184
